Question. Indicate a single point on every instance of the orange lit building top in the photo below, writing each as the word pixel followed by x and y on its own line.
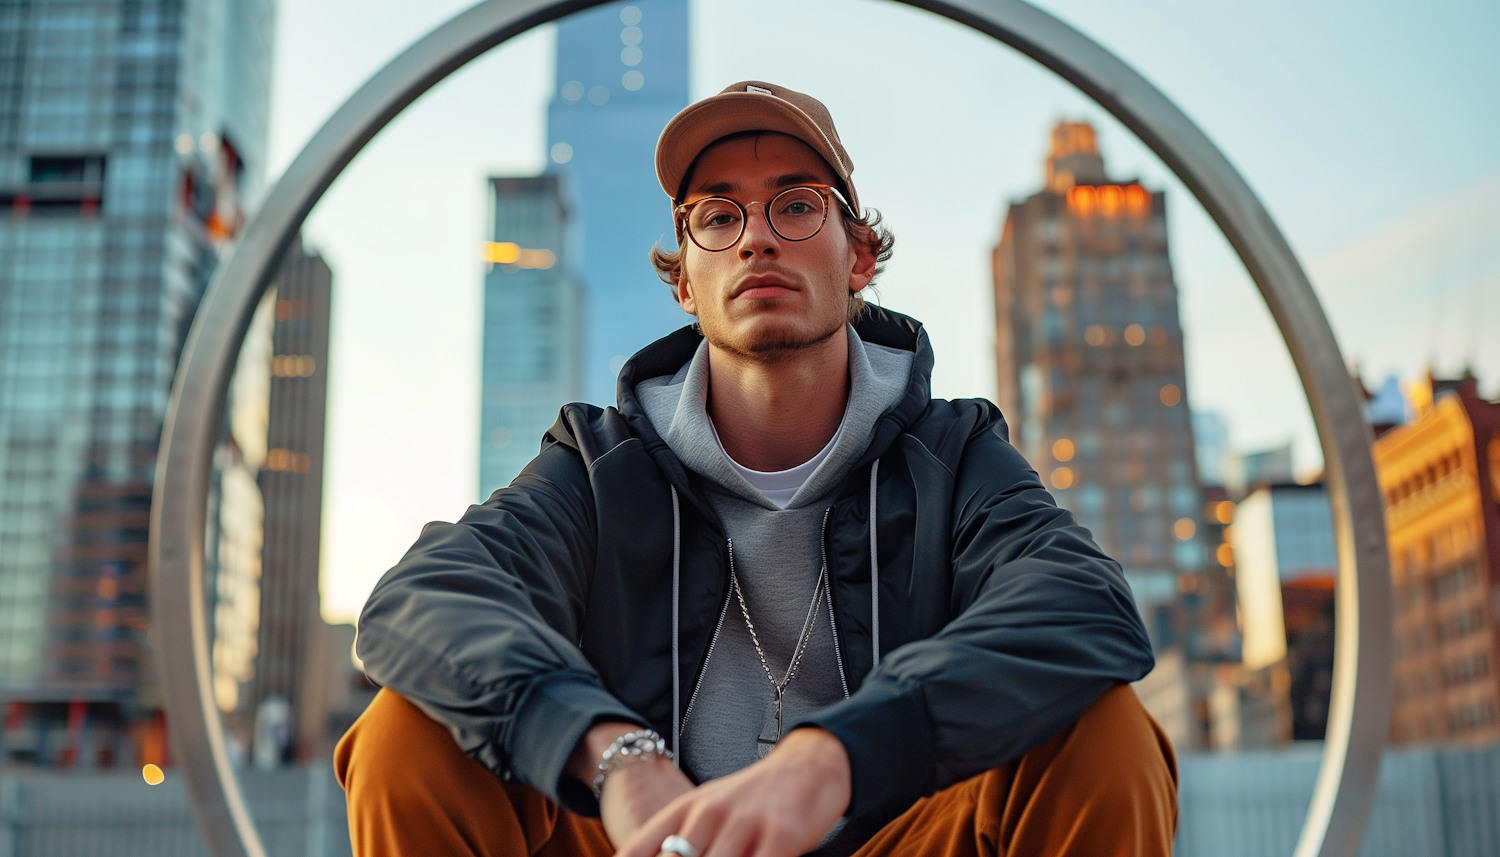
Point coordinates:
pixel 1441 477
pixel 1090 376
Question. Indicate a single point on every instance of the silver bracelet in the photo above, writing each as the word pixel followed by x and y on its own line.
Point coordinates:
pixel 629 748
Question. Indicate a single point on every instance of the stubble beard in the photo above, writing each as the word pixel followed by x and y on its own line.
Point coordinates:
pixel 774 346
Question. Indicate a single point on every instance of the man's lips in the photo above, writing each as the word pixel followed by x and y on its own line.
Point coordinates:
pixel 763 287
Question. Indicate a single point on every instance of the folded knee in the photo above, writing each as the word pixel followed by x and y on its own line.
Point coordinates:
pixel 1117 735
pixel 379 749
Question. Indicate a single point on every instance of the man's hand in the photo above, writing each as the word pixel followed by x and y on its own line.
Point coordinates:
pixel 780 806
pixel 635 793
pixel 632 793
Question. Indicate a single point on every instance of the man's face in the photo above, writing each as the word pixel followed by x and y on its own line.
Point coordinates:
pixel 766 297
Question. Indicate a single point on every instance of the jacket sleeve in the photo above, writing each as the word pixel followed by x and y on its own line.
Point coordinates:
pixel 1044 624
pixel 478 626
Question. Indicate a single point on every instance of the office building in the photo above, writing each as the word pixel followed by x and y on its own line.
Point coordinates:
pixel 622 74
pixel 1090 367
pixel 1286 562
pixel 570 292
pixel 533 324
pixel 1385 406
pixel 1211 444
pixel 1441 478
pixel 291 482
pixel 132 144
pixel 1264 467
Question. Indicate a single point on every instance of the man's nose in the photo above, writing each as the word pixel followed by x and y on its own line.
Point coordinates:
pixel 759 239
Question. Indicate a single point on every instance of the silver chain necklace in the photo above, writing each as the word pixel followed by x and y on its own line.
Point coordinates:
pixel 770 732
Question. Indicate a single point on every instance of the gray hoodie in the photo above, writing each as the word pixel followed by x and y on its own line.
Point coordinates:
pixel 777 557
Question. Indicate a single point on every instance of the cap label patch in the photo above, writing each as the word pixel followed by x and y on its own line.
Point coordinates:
pixel 758 89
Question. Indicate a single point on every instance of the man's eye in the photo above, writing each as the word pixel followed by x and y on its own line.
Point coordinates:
pixel 720 219
pixel 797 208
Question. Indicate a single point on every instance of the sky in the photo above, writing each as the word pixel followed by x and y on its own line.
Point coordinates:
pixel 1368 131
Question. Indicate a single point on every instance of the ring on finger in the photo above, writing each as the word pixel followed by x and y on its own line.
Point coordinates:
pixel 675 844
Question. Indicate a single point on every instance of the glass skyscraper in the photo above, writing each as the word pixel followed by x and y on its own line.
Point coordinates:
pixel 559 332
pixel 132 139
pixel 533 324
pixel 622 74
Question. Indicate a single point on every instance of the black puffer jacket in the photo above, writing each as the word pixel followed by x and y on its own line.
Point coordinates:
pixel 561 601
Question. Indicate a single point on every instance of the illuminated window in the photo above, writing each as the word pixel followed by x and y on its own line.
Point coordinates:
pixel 508 253
pixel 293 366
pixel 1224 511
pixel 1135 334
pixel 1062 478
pixel 1081 200
pixel 287 461
pixel 1171 395
pixel 1062 449
pixel 1096 335
pixel 503 252
pixel 1111 200
pixel 1184 529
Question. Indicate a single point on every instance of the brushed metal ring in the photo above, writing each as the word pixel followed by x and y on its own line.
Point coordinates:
pixel 675 844
pixel 1360 703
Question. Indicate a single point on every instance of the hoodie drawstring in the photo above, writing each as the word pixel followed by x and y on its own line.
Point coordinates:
pixel 874 573
pixel 676 603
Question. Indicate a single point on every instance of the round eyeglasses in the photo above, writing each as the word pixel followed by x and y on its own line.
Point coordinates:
pixel 796 214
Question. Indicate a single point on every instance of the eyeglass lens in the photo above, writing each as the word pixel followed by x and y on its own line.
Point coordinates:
pixel 796 215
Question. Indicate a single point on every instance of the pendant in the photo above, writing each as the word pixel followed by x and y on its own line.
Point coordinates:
pixel 770 729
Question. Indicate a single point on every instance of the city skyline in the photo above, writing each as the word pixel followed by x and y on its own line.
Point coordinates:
pixel 1432 211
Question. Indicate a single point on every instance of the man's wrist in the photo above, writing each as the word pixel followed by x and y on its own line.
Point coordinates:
pixel 633 748
pixel 821 755
pixel 583 765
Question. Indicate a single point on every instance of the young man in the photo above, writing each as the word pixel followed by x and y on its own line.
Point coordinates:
pixel 778 600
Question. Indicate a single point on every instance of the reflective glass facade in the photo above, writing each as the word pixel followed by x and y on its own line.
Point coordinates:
pixel 132 139
pixel 622 74
pixel 533 322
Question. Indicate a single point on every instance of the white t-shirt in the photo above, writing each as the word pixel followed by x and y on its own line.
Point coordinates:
pixel 781 485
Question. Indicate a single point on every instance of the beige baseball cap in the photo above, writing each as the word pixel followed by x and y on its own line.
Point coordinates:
pixel 749 105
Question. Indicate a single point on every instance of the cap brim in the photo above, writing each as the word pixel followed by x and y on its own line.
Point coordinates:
pixel 699 125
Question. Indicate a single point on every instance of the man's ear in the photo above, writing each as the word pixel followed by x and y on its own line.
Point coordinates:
pixel 685 295
pixel 864 263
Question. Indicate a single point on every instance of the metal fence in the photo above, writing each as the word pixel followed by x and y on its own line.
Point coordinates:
pixel 1430 803
pixel 299 813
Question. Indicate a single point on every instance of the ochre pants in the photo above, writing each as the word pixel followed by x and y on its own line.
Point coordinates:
pixel 1106 786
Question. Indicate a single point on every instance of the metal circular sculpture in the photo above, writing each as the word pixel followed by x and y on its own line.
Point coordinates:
pixel 1359 714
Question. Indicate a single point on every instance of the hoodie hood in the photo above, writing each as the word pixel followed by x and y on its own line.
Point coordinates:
pixel 676 406
pixel 671 354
